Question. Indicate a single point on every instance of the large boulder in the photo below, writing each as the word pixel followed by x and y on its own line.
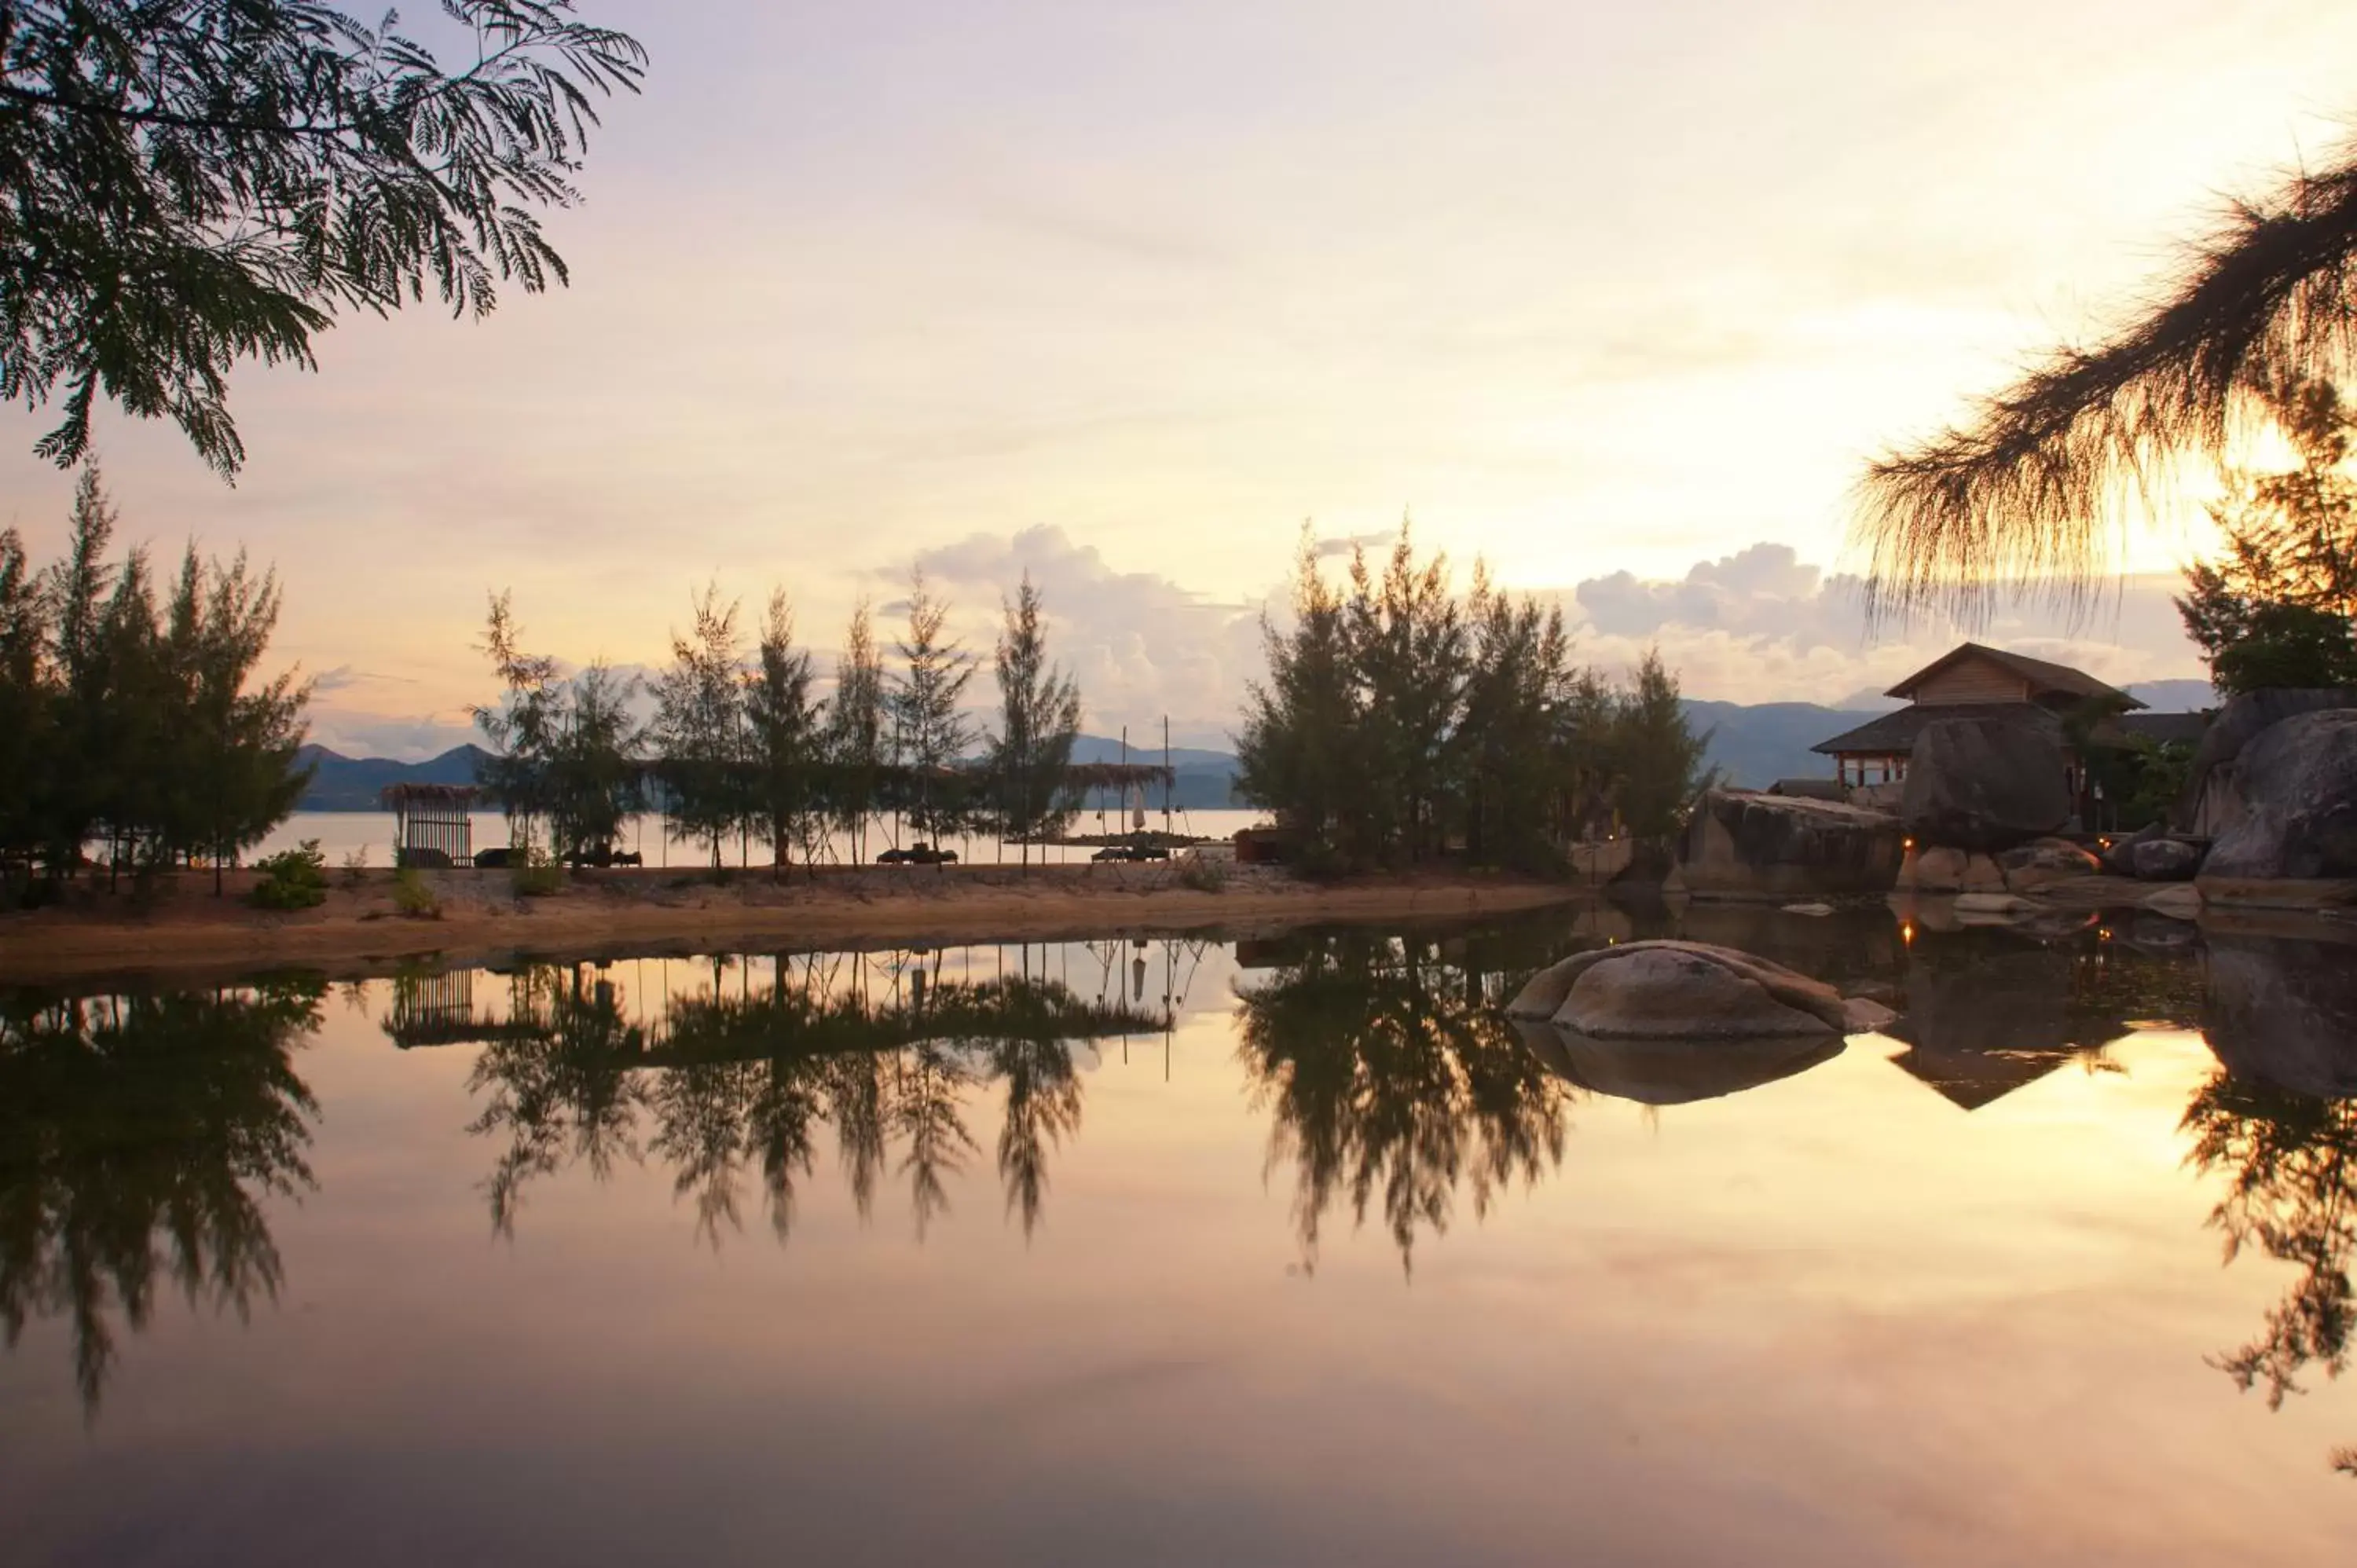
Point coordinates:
pixel 1739 844
pixel 2164 860
pixel 1988 782
pixel 2212 802
pixel 2297 783
pixel 2284 1010
pixel 2042 861
pixel 1938 870
pixel 1687 990
pixel 2120 859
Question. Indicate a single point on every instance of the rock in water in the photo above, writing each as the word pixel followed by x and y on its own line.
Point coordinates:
pixel 2035 864
pixel 1739 844
pixel 2164 860
pixel 1654 994
pixel 1987 782
pixel 2179 902
pixel 1673 990
pixel 2298 782
pixel 2120 859
pixel 1951 871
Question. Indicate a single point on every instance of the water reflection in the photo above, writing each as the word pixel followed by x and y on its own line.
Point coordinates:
pixel 888 1052
pixel 1392 1076
pixel 141 1138
pixel 138 1137
pixel 1987 1011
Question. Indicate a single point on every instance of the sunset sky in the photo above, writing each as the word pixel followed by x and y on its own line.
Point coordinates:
pixel 1617 296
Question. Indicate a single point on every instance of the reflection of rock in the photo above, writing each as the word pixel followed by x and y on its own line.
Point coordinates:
pixel 2179 902
pixel 2164 860
pixel 2298 782
pixel 1675 1072
pixel 1739 844
pixel 1987 1024
pixel 2284 1010
pixel 1672 989
pixel 1987 782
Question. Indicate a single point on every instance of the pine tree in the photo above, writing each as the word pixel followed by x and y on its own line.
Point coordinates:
pixel 931 736
pixel 27 744
pixel 788 735
pixel 700 726
pixel 196 184
pixel 2277 608
pixel 1297 753
pixel 855 734
pixel 1659 758
pixel 1040 718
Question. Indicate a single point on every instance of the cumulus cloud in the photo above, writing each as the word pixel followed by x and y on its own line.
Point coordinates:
pixel 1761 625
pixel 1141 646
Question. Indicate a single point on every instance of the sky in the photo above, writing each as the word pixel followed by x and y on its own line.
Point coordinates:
pixel 1618 298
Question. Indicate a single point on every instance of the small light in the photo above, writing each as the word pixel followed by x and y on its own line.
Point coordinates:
pixel 1907 931
pixel 1907 843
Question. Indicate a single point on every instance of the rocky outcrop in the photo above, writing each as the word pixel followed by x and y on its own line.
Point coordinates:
pixel 1687 990
pixel 2298 786
pixel 2214 800
pixel 1938 870
pixel 2120 859
pixel 2164 860
pixel 1987 782
pixel 2285 1012
pixel 2035 864
pixel 1743 845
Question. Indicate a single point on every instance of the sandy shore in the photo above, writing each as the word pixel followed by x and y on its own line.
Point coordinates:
pixel 181 929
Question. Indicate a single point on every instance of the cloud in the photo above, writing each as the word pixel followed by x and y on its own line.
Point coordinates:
pixel 1351 543
pixel 1141 646
pixel 1761 625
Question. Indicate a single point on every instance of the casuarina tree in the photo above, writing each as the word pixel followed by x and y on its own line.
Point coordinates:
pixel 187 183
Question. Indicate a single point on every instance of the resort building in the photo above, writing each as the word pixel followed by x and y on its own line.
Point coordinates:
pixel 1972 680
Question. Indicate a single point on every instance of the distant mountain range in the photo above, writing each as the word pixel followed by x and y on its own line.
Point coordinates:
pixel 1751 744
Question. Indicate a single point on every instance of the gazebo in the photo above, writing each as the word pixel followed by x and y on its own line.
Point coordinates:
pixel 431 824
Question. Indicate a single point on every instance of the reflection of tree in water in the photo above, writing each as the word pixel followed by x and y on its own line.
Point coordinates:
pixel 561 1084
pixel 730 1084
pixel 2290 1162
pixel 1393 1076
pixel 140 1135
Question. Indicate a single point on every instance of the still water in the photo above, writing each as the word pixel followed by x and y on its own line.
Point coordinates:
pixel 1289 1251
pixel 341 834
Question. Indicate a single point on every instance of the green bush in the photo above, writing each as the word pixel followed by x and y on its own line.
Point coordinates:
pixel 293 878
pixel 356 867
pixel 1203 874
pixel 537 875
pixel 413 897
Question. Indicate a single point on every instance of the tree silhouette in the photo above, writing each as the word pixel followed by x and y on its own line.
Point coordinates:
pixel 140 1136
pixel 1393 1079
pixel 2290 1162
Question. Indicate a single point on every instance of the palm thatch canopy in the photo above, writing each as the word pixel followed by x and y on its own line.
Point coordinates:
pixel 2035 488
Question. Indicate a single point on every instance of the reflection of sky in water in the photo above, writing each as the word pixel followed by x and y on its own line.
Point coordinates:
pixel 1835 1319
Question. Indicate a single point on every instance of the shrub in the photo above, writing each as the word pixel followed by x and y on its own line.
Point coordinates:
pixel 413 897
pixel 356 867
pixel 1203 874
pixel 293 878
pixel 537 875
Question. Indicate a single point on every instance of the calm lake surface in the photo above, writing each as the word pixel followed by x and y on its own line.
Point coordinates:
pixel 1189 1252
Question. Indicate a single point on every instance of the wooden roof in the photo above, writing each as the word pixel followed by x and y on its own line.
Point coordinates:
pixel 2044 676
